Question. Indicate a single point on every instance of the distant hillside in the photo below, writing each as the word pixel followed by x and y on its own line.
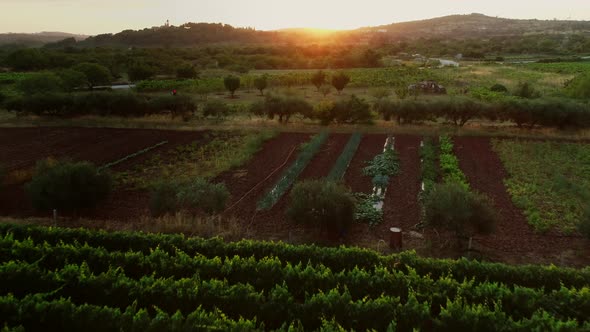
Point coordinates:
pixel 477 26
pixel 472 26
pixel 37 39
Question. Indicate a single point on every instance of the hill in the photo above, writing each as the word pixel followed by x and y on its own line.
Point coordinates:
pixel 455 26
pixel 37 39
pixel 479 25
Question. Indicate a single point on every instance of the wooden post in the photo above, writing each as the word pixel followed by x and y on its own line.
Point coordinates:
pixel 395 240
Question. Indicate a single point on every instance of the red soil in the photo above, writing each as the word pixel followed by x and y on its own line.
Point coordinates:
pixel 20 148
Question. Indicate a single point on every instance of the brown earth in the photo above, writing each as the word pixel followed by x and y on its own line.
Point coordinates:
pixel 514 240
pixel 20 148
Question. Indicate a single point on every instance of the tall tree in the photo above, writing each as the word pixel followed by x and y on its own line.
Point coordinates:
pixel 95 74
pixel 261 83
pixel 340 81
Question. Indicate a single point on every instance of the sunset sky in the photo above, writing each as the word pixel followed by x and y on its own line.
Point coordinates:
pixel 102 16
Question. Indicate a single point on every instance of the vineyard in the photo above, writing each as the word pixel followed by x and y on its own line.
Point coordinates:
pixel 74 278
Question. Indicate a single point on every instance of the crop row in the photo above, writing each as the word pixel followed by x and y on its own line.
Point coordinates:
pixel 307 152
pixel 275 306
pixel 337 259
pixel 343 161
pixel 262 274
pixel 449 164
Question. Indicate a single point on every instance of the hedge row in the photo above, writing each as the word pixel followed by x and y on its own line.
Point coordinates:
pixel 337 259
pixel 100 103
pixel 548 112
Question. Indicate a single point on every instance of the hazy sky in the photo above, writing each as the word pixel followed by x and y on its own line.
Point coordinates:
pixel 101 16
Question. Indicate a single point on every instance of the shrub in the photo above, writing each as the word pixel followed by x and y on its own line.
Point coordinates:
pixel 95 74
pixel 352 110
pixel 318 79
pixel 454 207
pixel 41 83
pixel 139 71
pixel 499 88
pixel 187 71
pixel 176 105
pixel 167 197
pixel 579 87
pixel 69 186
pixel 231 83
pixel 322 204
pixel 526 90
pixel 164 198
pixel 282 107
pixel 216 108
pixel 202 195
pixel 261 82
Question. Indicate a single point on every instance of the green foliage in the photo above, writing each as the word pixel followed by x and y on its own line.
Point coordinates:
pixel 45 82
pixel 177 105
pixel 67 186
pixel 306 153
pixel 95 74
pixel 386 163
pixel 341 164
pixel 322 204
pixel 526 90
pixel 549 181
pixel 449 164
pixel 202 195
pixel 139 71
pixel 187 71
pixel 281 107
pixel 340 80
pixel 216 108
pixel 170 196
pixel 231 83
pixel 351 110
pixel 499 88
pixel 429 171
pixel 365 209
pixel 260 83
pixel 454 207
pixel 149 282
pixel 164 197
pixel 72 79
pixel 579 87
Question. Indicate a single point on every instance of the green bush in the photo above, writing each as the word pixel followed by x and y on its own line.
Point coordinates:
pixel 168 197
pixel 202 195
pixel 579 87
pixel 164 198
pixel 45 82
pixel 499 88
pixel 282 107
pixel 68 186
pixel 453 207
pixel 176 105
pixel 216 108
pixel 323 204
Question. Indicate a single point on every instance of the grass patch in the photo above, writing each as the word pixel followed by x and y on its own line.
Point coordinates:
pixel 345 157
pixel 307 152
pixel 549 181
